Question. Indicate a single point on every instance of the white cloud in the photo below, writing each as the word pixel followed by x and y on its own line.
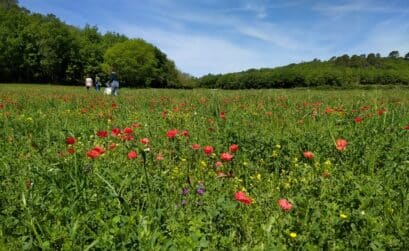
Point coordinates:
pixel 271 34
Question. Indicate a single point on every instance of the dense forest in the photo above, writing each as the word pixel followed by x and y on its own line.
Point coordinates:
pixel 37 48
pixel 343 71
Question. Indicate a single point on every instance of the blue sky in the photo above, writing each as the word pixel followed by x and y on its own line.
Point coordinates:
pixel 215 36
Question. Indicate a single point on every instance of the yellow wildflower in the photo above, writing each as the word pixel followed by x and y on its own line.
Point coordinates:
pixel 343 216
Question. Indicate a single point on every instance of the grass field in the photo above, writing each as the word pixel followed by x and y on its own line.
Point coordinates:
pixel 203 169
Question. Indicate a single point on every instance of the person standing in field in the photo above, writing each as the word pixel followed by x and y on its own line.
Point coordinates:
pixel 97 83
pixel 88 83
pixel 114 83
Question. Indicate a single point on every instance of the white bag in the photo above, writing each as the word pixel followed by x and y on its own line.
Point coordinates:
pixel 108 90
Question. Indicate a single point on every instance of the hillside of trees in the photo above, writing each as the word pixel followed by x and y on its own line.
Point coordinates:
pixel 343 71
pixel 37 48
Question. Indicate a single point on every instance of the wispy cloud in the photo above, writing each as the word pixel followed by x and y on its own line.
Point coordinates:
pixel 255 29
pixel 362 6
pixel 269 33
pixel 199 54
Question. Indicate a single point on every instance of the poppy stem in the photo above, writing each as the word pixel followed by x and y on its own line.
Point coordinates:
pixel 146 171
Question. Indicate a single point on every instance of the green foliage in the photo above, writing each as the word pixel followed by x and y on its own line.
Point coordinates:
pixel 140 64
pixel 7 4
pixel 38 48
pixel 343 71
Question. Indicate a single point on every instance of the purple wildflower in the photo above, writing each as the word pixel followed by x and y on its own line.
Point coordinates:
pixel 185 191
pixel 200 191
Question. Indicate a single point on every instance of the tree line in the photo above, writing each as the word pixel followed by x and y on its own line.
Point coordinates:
pixel 36 48
pixel 342 71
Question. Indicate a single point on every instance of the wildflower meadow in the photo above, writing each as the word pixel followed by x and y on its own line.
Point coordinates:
pixel 200 169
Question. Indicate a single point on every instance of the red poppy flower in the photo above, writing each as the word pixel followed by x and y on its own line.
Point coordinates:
pixel 185 133
pixel 381 111
pixel 144 141
pixel 70 141
pixel 114 105
pixel 234 148
pixel 102 134
pixel 243 198
pixel 341 144
pixel 127 137
pixel 95 152
pixel 1 106
pixel 172 133
pixel 222 115
pixel 226 156
pixel 71 150
pixel 329 110
pixel 219 164
pixel 159 157
pixel 99 149
pixel 112 146
pixel 195 146
pixel 128 130
pixel 358 120
pixel 308 155
pixel 132 155
pixel 92 154
pixel 115 131
pixel 208 150
pixel 284 205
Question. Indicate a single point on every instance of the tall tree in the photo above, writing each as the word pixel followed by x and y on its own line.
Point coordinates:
pixel 140 64
pixel 91 51
pixel 394 54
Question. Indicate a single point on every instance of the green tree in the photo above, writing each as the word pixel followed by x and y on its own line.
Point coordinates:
pixel 394 54
pixel 7 4
pixel 91 51
pixel 140 64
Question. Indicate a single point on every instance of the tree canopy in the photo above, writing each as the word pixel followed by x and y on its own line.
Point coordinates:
pixel 140 64
pixel 39 48
pixel 342 71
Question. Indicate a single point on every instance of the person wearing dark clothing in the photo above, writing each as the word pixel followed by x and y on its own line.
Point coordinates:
pixel 114 83
pixel 97 83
